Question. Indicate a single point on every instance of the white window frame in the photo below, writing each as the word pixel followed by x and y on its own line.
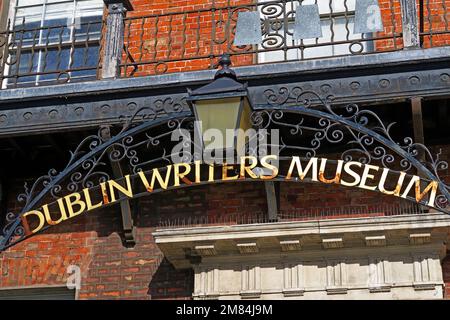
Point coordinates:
pixel 12 15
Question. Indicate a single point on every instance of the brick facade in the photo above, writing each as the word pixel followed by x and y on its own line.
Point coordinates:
pixel 93 242
pixel 112 271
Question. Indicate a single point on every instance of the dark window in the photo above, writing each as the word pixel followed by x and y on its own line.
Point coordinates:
pixel 49 293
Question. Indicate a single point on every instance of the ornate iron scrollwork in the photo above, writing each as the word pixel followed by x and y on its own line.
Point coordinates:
pixel 368 137
pixel 310 123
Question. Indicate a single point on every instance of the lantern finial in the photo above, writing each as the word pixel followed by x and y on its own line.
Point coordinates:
pixel 225 71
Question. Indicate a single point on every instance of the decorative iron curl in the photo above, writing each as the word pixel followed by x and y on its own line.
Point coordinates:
pixel 88 163
pixel 367 135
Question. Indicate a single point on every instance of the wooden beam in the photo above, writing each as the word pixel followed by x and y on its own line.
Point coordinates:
pixel 272 200
pixel 125 207
pixel 416 107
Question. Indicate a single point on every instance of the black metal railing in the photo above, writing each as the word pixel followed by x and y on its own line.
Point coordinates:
pixel 50 55
pixel 194 39
pixel 177 40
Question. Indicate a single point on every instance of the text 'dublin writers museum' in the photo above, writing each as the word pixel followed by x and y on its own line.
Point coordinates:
pixel 224 149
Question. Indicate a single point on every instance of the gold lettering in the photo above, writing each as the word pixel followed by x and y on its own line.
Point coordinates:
pixel 181 175
pixel 248 169
pixel 197 171
pixel 225 176
pixel 398 187
pixel 48 217
pixel 211 173
pixel 352 173
pixel 27 226
pixel 156 176
pixel 433 185
pixel 297 164
pixel 337 176
pixel 366 176
pixel 88 200
pixel 114 185
pixel 267 165
pixel 77 201
pixel 104 193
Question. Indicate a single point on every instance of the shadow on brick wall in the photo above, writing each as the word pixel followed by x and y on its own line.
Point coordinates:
pixel 169 283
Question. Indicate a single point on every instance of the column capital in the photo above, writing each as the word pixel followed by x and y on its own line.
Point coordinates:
pixel 114 5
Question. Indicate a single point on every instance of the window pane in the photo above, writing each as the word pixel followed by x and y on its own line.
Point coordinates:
pixel 23 63
pixel 28 15
pixel 327 6
pixel 61 293
pixel 54 61
pixel 85 57
pixel 57 33
pixel 26 34
pixel 88 30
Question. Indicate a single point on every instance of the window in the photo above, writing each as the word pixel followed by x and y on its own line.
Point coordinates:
pixel 54 40
pixel 49 293
pixel 337 23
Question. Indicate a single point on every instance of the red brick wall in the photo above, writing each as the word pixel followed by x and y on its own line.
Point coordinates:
pixel 436 20
pixel 392 22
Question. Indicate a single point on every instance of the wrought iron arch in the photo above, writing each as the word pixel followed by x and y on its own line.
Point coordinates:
pixel 366 136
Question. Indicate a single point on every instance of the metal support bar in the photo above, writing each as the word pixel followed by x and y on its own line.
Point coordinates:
pixel 125 208
pixel 114 37
pixel 272 200
pixel 416 107
pixel 410 23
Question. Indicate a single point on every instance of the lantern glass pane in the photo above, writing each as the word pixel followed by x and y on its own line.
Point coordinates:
pixel 244 125
pixel 219 114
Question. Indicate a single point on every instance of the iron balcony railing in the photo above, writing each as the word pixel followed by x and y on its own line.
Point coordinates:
pixel 192 39
pixel 50 55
